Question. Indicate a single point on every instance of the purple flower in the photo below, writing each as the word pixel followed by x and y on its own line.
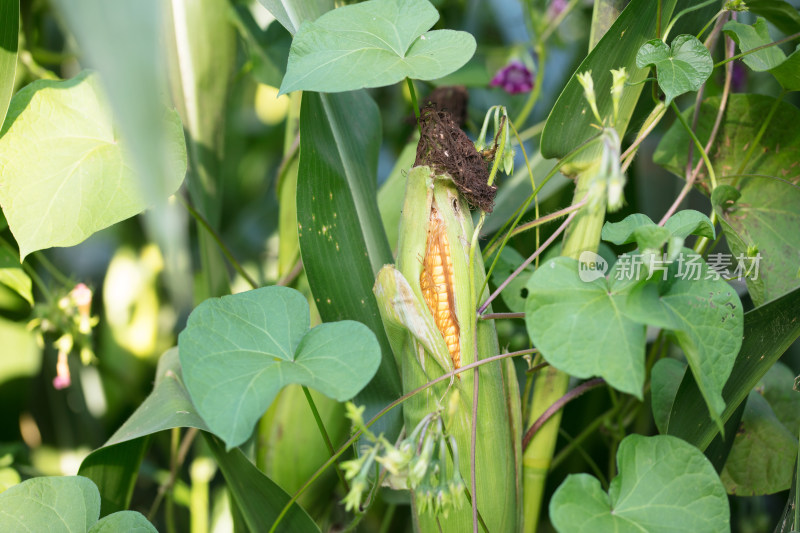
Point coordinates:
pixel 556 7
pixel 514 78
pixel 738 77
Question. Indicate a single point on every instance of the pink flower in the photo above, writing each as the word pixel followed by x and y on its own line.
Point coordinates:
pixel 514 78
pixel 556 7
pixel 63 378
pixel 82 296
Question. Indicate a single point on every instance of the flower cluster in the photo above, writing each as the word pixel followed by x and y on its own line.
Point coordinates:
pixel 420 462
pixel 514 78
pixel 71 318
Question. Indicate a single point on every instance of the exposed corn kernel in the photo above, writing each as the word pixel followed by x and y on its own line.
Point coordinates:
pixel 436 282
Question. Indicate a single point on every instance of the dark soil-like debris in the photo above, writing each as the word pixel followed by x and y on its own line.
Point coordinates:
pixel 453 99
pixel 444 147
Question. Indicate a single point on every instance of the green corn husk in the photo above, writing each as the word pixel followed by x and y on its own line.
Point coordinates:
pixel 422 355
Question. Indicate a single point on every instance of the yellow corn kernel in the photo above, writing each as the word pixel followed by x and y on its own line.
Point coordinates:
pixel 436 282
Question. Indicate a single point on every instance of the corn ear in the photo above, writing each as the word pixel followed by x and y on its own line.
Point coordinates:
pixel 423 353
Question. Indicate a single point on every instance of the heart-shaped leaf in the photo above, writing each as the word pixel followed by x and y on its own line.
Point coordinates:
pixel 705 314
pixel 681 67
pixel 54 504
pixel 665 485
pixel 580 327
pixel 238 351
pixel 86 182
pixel 129 521
pixel 371 44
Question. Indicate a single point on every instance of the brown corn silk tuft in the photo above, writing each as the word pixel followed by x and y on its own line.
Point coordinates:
pixel 436 282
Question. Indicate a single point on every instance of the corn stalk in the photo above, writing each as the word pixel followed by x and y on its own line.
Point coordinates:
pixel 433 273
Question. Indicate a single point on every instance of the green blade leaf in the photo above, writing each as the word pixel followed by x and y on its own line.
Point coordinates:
pixel 570 121
pixel 580 326
pixel 777 387
pixel 256 496
pixel 768 331
pixel 114 469
pixel 682 67
pixel 342 242
pixel 763 453
pixel 782 14
pixel 664 486
pixel 237 352
pixel 54 504
pixel 772 59
pixel 764 217
pixel 9 42
pixel 128 521
pixel 385 39
pixel 86 182
pixel 705 315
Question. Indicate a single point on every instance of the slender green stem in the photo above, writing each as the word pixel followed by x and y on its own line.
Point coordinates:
pixel 709 23
pixel 533 97
pixel 414 103
pixel 52 269
pixel 493 316
pixel 757 48
pixel 702 242
pixel 590 428
pixel 344 447
pixel 533 182
pixel 225 250
pixel 586 457
pixel 388 516
pixel 325 435
pixel 697 144
pixel 701 5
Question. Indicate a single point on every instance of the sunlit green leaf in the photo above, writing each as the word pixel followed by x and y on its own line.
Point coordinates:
pixel 681 67
pixel 22 354
pixel 292 13
pixel 371 44
pixel 238 351
pixel 664 486
pixel 580 326
pixel 86 182
pixel 9 42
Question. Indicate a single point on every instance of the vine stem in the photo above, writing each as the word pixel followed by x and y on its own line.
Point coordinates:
pixel 492 316
pixel 711 175
pixel 757 48
pixel 684 12
pixel 527 262
pixel 691 177
pixel 414 103
pixel 558 405
pixel 381 414
pixel 325 435
pixel 225 250
pixel 178 457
